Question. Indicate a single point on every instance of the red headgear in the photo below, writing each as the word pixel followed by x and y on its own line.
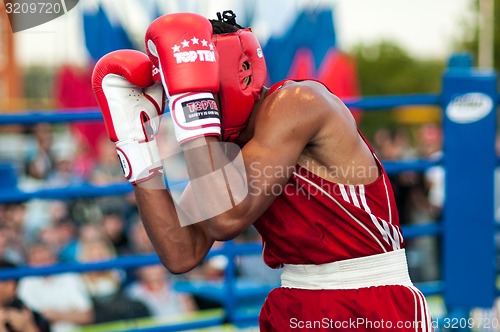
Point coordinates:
pixel 240 58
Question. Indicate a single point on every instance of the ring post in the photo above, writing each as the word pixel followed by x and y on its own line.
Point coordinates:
pixel 230 283
pixel 469 104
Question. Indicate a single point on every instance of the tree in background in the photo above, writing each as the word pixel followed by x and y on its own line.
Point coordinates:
pixel 469 39
pixel 384 68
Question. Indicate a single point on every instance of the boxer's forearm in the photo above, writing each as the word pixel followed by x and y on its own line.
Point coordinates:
pixel 217 187
pixel 180 248
pixel 207 165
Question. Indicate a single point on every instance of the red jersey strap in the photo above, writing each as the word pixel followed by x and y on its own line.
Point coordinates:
pixel 276 86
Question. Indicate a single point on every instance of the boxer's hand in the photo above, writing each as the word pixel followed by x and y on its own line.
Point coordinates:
pixel 132 105
pixel 180 47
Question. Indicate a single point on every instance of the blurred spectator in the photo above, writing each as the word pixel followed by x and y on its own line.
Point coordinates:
pixel 109 301
pixel 252 267
pixel 114 227
pixel 91 232
pixel 393 144
pixel 68 242
pixel 83 159
pixel 13 216
pixel 154 288
pixel 12 231
pixel 139 240
pixel 14 315
pixel 59 210
pixel 62 298
pixel 99 283
pixel 212 268
pixel 139 244
pixel 40 160
pixel 64 172
pixel 107 168
pixel 50 237
pixel 9 251
pixel 430 142
pixel 60 232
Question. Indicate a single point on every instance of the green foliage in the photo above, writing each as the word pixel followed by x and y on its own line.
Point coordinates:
pixel 470 31
pixel 384 68
pixel 468 40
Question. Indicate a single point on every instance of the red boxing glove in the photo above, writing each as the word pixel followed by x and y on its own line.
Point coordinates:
pixel 180 47
pixel 132 106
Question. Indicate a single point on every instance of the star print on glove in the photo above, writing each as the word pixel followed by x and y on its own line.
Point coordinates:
pixel 192 51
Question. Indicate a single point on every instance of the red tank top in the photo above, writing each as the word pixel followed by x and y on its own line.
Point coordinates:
pixel 315 221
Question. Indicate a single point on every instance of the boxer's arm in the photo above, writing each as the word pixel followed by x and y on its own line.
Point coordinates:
pixel 288 121
pixel 179 248
pixel 285 124
pixel 190 87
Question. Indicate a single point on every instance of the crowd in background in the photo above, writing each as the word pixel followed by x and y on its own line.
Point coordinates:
pixel 45 232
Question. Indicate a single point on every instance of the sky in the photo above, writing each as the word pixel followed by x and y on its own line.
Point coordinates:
pixel 426 28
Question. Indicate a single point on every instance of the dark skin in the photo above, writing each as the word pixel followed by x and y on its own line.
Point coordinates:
pixel 301 123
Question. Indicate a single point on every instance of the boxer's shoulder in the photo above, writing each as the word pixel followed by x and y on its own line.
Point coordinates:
pixel 304 99
pixel 296 110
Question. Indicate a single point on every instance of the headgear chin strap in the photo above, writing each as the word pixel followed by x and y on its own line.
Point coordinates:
pixel 243 73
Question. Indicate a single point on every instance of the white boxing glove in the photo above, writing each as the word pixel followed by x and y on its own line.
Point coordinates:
pixel 132 105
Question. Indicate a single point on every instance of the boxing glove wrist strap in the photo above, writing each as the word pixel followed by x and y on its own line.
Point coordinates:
pixel 194 115
pixel 140 161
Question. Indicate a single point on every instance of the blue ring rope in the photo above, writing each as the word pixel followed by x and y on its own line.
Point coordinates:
pixel 93 114
pixel 123 188
pixel 385 102
pixel 49 116
pixel 134 261
pixel 418 165
pixel 65 193
pixel 430 228
pixel 126 262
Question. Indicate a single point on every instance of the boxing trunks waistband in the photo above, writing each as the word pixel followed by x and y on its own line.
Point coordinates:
pixel 384 269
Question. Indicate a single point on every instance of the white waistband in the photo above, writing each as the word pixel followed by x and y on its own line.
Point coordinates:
pixel 378 270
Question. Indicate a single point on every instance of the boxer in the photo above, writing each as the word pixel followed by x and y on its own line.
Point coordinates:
pixel 314 188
